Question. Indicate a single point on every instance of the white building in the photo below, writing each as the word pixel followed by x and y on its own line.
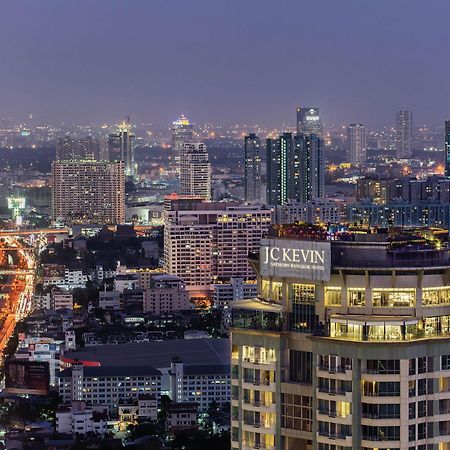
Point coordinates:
pixel 109 300
pixel 166 294
pixel 145 408
pixel 206 240
pixel 181 416
pixel 318 210
pixel 236 288
pixel 195 171
pixel 79 419
pixel 356 143
pixel 61 299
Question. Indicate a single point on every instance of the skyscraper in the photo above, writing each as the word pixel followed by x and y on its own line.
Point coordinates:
pixel 295 168
pixel 88 191
pixel 78 149
pixel 182 132
pixel 121 147
pixel 447 148
pixel 403 138
pixel 347 346
pixel 195 171
pixel 308 120
pixel 252 147
pixel 204 240
pixel 356 143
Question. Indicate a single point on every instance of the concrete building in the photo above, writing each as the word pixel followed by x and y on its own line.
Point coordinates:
pixel 186 370
pixel 347 345
pixel 182 132
pixel 356 143
pixel 181 416
pixel 80 419
pixel 308 120
pixel 107 385
pixel 319 210
pixel 226 291
pixel 70 148
pixel 195 171
pixel 253 182
pixel 166 294
pixel 88 192
pixel 403 134
pixel 121 148
pixel 144 408
pixel 207 240
pixel 295 168
pixel 61 299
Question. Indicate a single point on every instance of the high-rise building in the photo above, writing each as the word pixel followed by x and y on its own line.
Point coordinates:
pixel 195 171
pixel 356 143
pixel 204 240
pixel 447 148
pixel 308 121
pixel 347 346
pixel 295 168
pixel 121 147
pixel 252 148
pixel 88 191
pixel 182 132
pixel 403 138
pixel 78 149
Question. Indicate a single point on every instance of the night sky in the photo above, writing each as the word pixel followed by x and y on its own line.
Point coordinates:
pixel 251 61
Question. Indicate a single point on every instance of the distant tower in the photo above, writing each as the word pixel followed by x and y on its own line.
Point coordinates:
pixel 447 148
pixel 252 147
pixel 356 143
pixel 195 171
pixel 121 147
pixel 403 137
pixel 182 132
pixel 308 120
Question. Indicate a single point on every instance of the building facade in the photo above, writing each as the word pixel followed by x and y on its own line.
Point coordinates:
pixel 121 147
pixel 252 151
pixel 69 148
pixel 91 191
pixel 403 134
pixel 356 143
pixel 447 148
pixel 347 346
pixel 308 120
pixel 206 240
pixel 195 171
pixel 295 168
pixel 182 132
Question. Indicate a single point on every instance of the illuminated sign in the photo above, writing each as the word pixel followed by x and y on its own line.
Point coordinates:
pixel 294 258
pixel 312 118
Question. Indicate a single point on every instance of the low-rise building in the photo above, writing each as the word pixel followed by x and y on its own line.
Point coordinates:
pixel 80 419
pixel 109 300
pixel 142 409
pixel 166 294
pixel 236 288
pixel 181 416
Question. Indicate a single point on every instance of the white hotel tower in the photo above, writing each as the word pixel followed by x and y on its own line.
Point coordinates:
pixel 347 345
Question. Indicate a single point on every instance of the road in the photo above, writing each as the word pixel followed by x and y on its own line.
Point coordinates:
pixel 17 268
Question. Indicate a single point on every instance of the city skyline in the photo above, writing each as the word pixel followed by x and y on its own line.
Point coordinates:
pixel 73 51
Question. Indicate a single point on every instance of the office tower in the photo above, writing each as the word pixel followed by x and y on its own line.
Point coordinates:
pixel 88 191
pixel 252 148
pixel 447 148
pixel 205 240
pixel 308 121
pixel 356 143
pixel 295 168
pixel 78 149
pixel 121 147
pixel 348 345
pixel 182 132
pixel 403 136
pixel 195 171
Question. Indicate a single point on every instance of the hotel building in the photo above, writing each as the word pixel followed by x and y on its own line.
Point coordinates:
pixel 347 345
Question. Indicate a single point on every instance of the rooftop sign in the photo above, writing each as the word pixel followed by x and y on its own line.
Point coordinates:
pixel 297 259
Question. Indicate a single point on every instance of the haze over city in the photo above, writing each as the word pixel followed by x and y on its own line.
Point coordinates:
pixel 224 62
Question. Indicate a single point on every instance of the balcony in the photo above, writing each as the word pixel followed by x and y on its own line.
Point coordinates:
pixel 332 391
pixel 249 445
pixel 333 369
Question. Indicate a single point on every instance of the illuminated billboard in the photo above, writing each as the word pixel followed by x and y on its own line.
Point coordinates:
pixel 297 259
pixel 27 377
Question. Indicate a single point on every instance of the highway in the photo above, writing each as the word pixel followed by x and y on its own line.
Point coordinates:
pixel 17 268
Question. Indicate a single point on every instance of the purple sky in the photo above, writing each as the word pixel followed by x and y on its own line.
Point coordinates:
pixel 224 60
